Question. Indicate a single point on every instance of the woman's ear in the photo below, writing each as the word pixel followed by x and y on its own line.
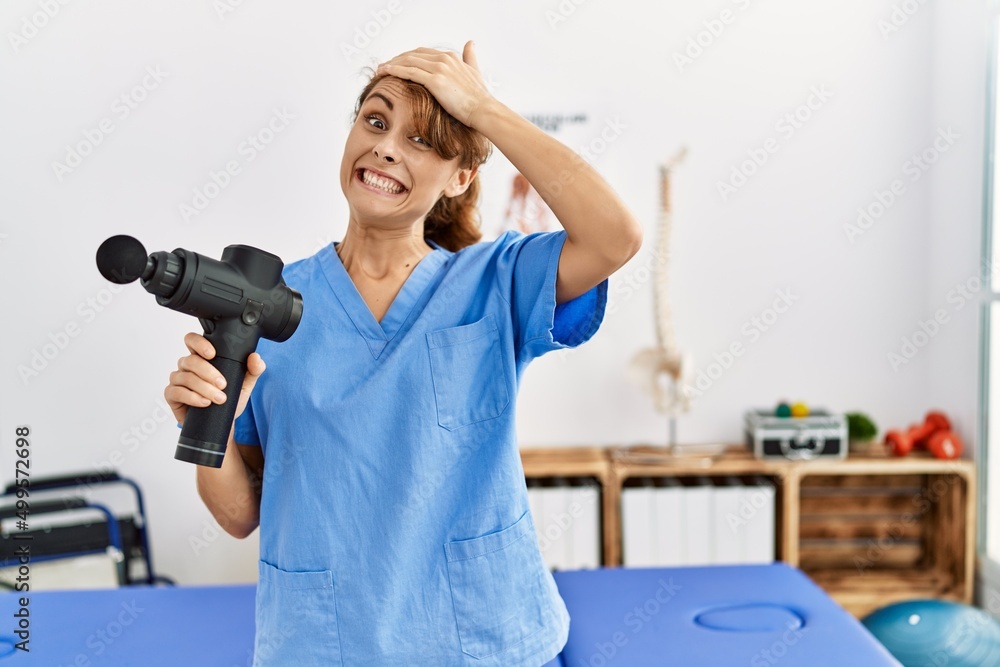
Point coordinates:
pixel 461 181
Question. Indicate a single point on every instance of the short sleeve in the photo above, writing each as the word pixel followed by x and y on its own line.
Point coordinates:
pixel 527 274
pixel 245 429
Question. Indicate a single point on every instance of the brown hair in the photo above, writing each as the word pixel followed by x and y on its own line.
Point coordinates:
pixel 453 222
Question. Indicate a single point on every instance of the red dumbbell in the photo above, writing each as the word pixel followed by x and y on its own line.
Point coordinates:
pixel 945 444
pixel 902 443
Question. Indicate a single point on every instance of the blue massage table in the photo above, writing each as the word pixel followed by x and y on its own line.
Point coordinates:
pixel 719 616
pixel 138 626
pixel 759 616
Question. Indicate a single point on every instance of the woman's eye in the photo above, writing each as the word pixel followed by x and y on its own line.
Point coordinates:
pixel 372 120
pixel 421 140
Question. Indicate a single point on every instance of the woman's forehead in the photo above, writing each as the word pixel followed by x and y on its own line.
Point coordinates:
pixel 389 87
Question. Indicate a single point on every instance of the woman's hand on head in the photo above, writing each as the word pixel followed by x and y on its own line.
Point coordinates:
pixel 456 83
pixel 197 383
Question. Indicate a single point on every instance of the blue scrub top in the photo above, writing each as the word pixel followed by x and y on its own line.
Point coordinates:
pixel 394 521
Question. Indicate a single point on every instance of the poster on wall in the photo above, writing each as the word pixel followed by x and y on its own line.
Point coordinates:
pixel 509 201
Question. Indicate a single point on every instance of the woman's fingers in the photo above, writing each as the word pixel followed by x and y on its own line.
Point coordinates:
pixel 182 397
pixel 431 61
pixel 196 373
pixel 425 54
pixel 469 55
pixel 203 369
pixel 198 344
pixel 416 74
pixel 434 60
pixel 255 365
pixel 207 392
pixel 197 383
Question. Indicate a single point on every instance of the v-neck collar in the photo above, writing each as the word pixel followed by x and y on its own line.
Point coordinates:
pixel 377 334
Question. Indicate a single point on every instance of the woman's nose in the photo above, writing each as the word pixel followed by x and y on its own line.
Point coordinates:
pixel 386 150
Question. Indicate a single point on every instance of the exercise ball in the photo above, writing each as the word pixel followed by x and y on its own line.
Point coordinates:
pixel 936 632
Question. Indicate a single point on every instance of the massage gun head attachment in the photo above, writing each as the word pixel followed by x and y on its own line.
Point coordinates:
pixel 123 259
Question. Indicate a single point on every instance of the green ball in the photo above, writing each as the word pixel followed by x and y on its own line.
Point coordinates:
pixel 784 410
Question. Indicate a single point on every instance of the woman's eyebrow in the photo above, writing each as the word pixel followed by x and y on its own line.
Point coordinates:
pixel 382 97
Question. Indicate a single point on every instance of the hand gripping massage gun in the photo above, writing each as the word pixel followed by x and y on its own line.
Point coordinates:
pixel 237 300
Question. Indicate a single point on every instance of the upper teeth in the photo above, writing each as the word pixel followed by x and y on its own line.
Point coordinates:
pixel 386 184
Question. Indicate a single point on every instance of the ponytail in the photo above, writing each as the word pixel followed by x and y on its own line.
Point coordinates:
pixel 454 222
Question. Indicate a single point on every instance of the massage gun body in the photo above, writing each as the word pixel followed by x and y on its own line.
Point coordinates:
pixel 238 301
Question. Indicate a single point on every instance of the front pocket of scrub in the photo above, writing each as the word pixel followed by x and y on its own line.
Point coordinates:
pixel 296 618
pixel 498 589
pixel 468 373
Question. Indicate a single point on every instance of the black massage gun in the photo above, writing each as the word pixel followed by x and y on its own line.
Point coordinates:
pixel 238 301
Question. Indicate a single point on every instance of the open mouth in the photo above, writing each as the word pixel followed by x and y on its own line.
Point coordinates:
pixel 379 183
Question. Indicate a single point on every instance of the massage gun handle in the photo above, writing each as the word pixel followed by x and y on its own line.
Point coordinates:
pixel 206 430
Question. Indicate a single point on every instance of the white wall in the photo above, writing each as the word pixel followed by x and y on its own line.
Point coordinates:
pixel 783 230
pixel 954 224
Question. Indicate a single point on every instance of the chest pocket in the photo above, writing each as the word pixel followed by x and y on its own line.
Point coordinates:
pixel 467 369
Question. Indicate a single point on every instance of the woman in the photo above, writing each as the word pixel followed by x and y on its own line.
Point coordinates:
pixel 378 454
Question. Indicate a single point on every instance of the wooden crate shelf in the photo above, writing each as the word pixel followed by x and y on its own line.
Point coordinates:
pixel 869 529
pixel 882 587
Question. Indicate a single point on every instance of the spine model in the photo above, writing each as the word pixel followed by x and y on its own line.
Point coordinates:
pixel 664 371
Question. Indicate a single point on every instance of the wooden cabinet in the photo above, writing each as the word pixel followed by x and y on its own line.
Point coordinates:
pixel 870 530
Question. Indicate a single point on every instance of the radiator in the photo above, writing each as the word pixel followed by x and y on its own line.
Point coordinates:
pixel 669 521
pixel 567 516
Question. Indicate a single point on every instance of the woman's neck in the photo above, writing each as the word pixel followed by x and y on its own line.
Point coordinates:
pixel 379 254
